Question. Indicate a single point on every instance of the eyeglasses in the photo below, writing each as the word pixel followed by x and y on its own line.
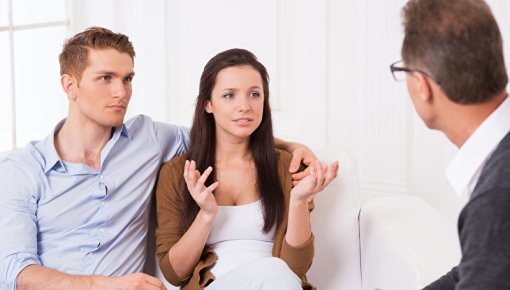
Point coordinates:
pixel 399 71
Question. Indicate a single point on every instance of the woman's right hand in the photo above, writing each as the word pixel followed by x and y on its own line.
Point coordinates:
pixel 202 195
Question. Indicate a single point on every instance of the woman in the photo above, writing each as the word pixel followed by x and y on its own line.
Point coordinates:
pixel 241 226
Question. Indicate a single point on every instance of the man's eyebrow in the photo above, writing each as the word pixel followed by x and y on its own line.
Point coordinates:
pixel 105 72
pixel 112 73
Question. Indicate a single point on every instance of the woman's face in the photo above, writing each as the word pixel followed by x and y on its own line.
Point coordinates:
pixel 237 102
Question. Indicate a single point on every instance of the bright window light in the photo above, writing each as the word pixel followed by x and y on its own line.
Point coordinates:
pixel 31 102
pixel 5 95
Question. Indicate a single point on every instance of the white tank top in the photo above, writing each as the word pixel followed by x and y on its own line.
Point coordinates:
pixel 237 236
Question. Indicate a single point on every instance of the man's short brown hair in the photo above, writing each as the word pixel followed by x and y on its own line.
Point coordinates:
pixel 74 55
pixel 458 43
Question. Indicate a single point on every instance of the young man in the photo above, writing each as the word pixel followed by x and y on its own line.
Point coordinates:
pixel 74 207
pixel 453 60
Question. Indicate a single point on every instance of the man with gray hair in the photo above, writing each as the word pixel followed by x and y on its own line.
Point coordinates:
pixel 455 72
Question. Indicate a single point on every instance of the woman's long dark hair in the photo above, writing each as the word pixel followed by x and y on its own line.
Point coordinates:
pixel 203 140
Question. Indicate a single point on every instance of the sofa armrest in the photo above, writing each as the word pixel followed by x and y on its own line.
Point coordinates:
pixel 336 230
pixel 405 243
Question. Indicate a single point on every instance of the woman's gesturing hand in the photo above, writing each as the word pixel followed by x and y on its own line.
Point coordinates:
pixel 320 176
pixel 202 195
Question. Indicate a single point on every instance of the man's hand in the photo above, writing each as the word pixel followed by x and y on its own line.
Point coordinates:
pixel 304 155
pixel 300 154
pixel 320 177
pixel 135 281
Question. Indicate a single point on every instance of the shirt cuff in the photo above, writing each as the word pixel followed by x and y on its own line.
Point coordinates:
pixel 12 265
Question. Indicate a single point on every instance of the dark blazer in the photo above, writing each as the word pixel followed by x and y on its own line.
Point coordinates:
pixel 484 230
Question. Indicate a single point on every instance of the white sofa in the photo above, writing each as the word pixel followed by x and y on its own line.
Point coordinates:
pixel 388 243
pixel 392 243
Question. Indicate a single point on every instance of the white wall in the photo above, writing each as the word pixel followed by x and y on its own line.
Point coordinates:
pixel 330 82
pixel 331 86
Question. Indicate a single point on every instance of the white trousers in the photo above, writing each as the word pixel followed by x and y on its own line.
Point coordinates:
pixel 268 273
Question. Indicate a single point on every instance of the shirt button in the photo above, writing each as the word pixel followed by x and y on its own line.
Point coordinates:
pixel 101 177
pixel 101 230
pixel 102 203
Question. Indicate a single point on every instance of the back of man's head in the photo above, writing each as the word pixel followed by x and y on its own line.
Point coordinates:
pixel 458 43
pixel 74 55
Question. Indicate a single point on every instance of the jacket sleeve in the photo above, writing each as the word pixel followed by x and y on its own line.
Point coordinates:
pixel 298 258
pixel 485 241
pixel 169 209
pixel 446 282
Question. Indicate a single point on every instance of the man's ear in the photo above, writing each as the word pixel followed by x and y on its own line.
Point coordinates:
pixel 208 106
pixel 424 87
pixel 69 84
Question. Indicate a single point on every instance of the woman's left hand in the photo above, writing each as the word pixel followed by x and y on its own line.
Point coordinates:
pixel 320 176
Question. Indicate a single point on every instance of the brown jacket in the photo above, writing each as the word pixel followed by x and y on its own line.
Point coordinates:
pixel 169 199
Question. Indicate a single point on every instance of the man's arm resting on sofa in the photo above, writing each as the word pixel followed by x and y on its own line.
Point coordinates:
pixel 42 278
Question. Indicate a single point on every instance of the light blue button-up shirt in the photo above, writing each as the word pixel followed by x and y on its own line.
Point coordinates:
pixel 76 219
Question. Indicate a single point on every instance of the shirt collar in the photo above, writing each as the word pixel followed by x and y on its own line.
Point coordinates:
pixel 124 131
pixel 464 170
pixel 51 155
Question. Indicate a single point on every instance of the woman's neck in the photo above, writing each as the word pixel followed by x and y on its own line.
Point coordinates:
pixel 232 150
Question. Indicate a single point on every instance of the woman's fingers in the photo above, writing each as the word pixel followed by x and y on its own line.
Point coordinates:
pixel 194 180
pixel 297 177
pixel 211 187
pixel 189 172
pixel 186 170
pixel 331 173
pixel 319 181
pixel 202 179
pixel 188 176
pixel 320 177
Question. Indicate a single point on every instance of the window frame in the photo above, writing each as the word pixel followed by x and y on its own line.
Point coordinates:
pixel 11 28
